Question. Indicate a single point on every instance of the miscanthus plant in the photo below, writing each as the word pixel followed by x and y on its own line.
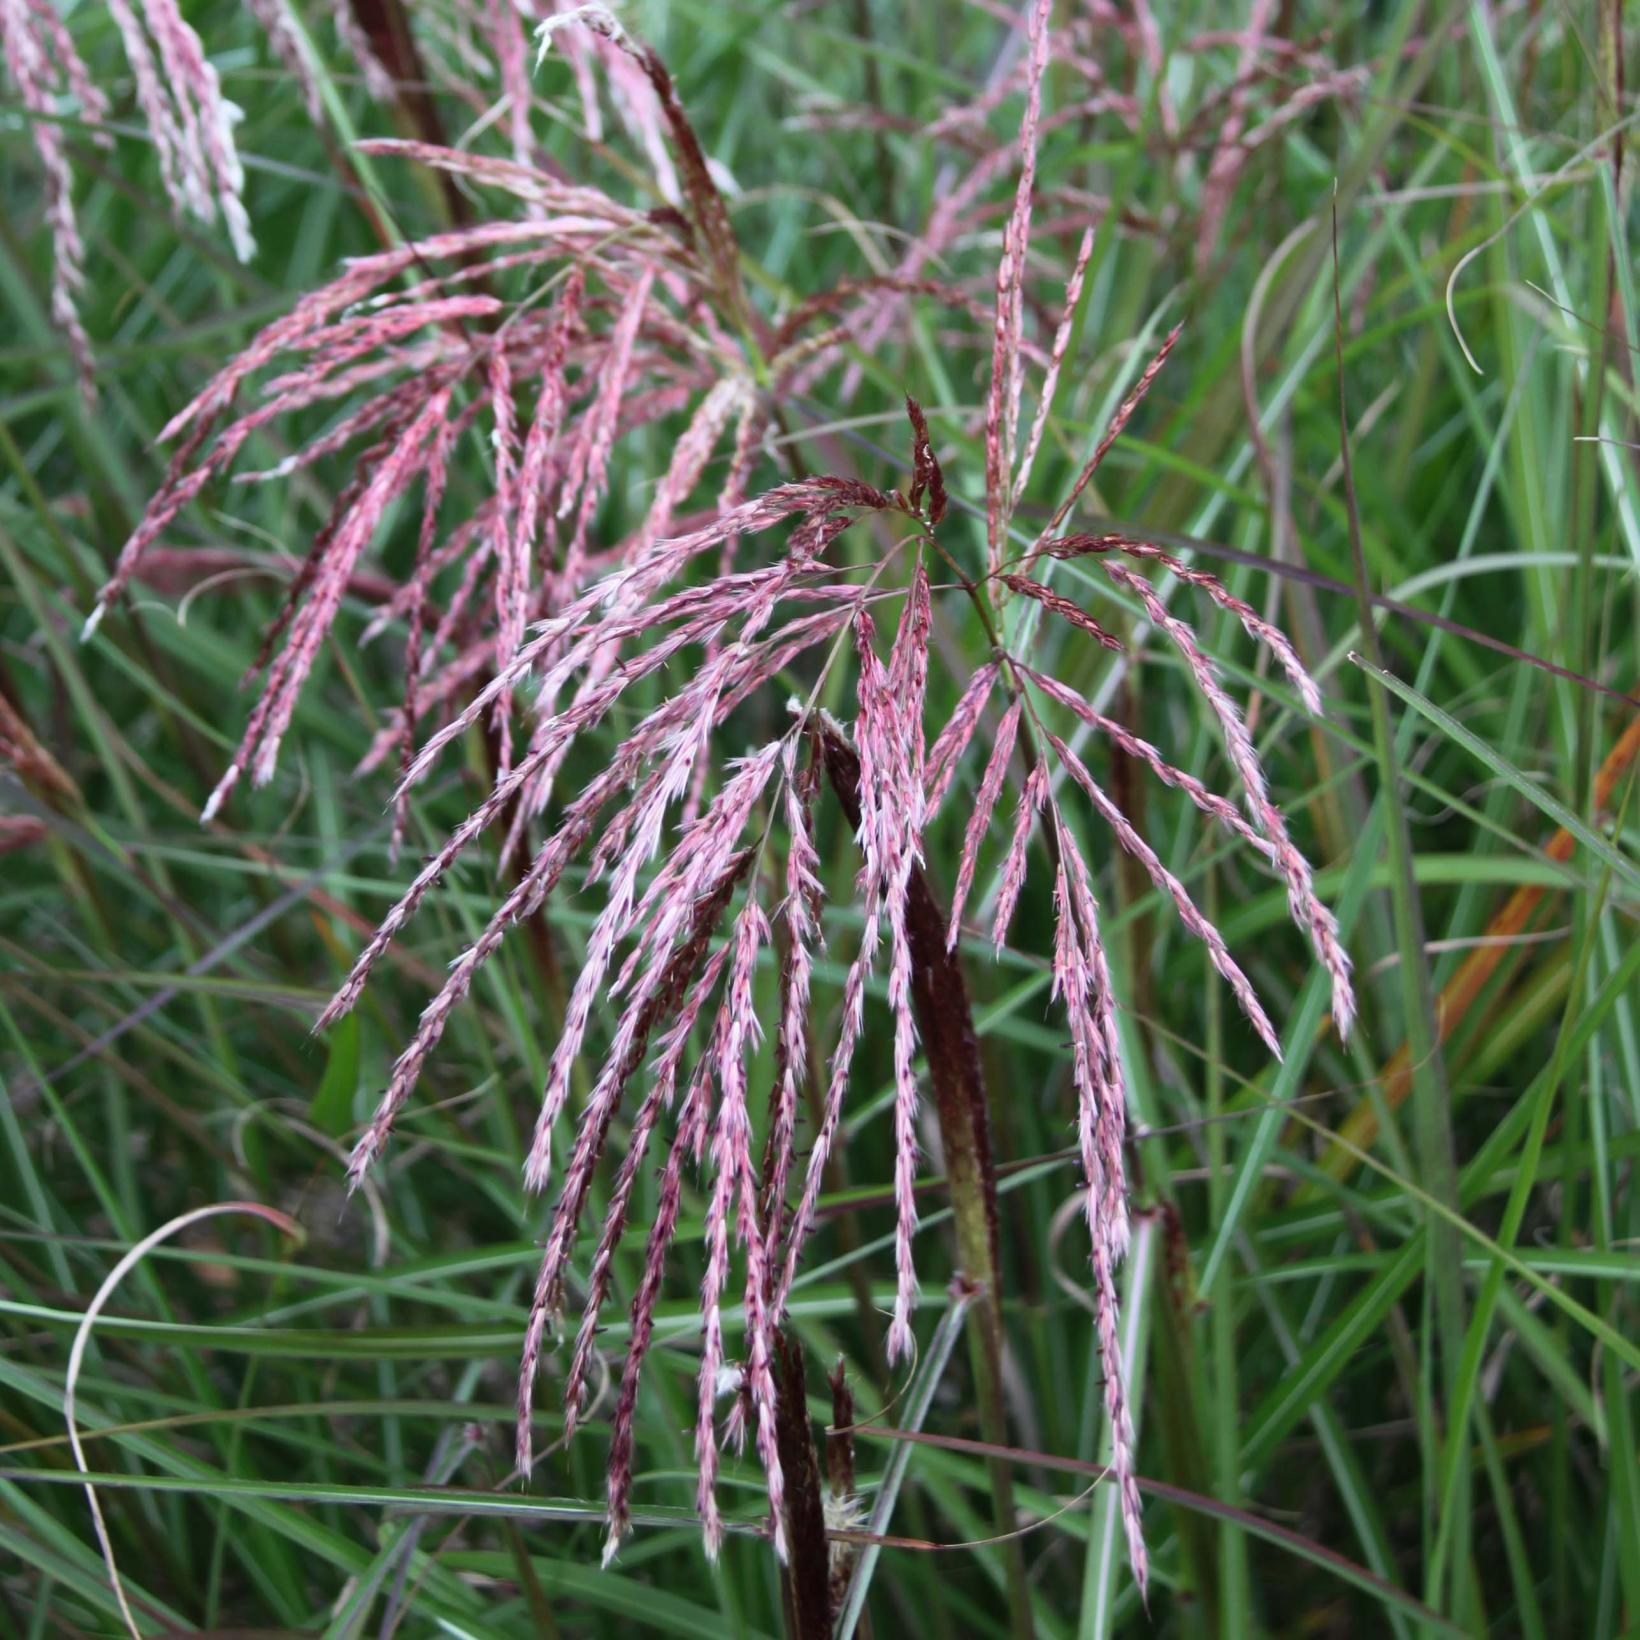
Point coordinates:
pixel 531 341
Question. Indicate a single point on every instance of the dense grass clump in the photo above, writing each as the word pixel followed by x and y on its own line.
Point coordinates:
pixel 882 647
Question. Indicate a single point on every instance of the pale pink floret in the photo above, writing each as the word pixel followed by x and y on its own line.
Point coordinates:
pixel 1170 885
pixel 734 1191
pixel 889 733
pixel 1118 422
pixel 512 57
pixel 663 1084
pixel 800 911
pixel 39 54
pixel 377 80
pixel 1307 909
pixel 275 18
pixel 1056 358
pixel 512 569
pixel 188 117
pixel 259 748
pixel 691 1123
pixel 1002 402
pixel 979 822
pixel 1081 975
pixel 1031 799
pixel 590 461
pixel 952 741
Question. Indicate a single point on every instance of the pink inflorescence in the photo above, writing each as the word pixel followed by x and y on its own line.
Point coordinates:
pixel 703 868
pixel 651 952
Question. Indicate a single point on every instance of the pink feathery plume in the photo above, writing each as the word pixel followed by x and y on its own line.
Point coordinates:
pixel 384 409
pixel 1082 976
pixel 621 596
pixel 479 549
pixel 259 748
pixel 512 582
pixel 1118 422
pixel 691 1121
pixel 610 611
pixel 57 44
pixel 892 711
pixel 361 276
pixel 579 54
pixel 274 16
pixel 694 712
pixel 473 534
pixel 979 821
pixel 698 188
pixel 198 419
pixel 689 457
pixel 378 81
pixel 636 105
pixel 39 55
pixel 1060 606
pixel 421 577
pixel 734 1189
pixel 577 212
pixel 621 913
pixel 1306 908
pixel 851 1021
pixel 800 910
pixel 1170 885
pixel 512 58
pixel 189 119
pixel 889 855
pixel 952 741
pixel 1141 750
pixel 1341 83
pixel 684 982
pixel 662 1087
pixel 591 456
pixel 1254 624
pixel 728 399
pixel 1056 358
pixel 540 443
pixel 346 499
pixel 1031 799
pixel 907 682
pixel 1002 403
pixel 537 881
pixel 153 98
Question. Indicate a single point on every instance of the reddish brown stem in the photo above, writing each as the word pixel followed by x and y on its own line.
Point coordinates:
pixel 805 1579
